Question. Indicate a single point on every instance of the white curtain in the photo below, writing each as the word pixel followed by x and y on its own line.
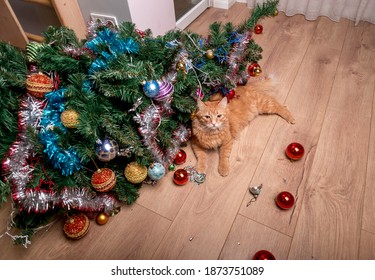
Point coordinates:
pixel 355 10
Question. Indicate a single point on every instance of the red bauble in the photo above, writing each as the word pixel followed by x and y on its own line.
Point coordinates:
pixel 180 177
pixel 103 180
pixel 76 226
pixel 39 84
pixel 295 151
pixel 231 94
pixel 254 69
pixel 258 29
pixel 263 255
pixel 180 157
pixel 285 200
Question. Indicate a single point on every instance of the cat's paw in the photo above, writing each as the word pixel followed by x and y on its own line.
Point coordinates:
pixel 223 171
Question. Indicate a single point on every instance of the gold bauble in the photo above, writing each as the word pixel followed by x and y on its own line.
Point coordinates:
pixel 180 66
pixel 102 219
pixel 135 173
pixel 69 118
pixel 276 12
pixel 210 54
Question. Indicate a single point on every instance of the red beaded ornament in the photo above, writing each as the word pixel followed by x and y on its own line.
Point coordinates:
pixel 180 157
pixel 180 177
pixel 264 255
pixel 76 226
pixel 39 84
pixel 258 29
pixel 103 180
pixel 285 200
pixel 294 151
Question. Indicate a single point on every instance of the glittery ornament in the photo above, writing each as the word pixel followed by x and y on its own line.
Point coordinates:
pixel 166 90
pixel 264 255
pixel 285 200
pixel 103 180
pixel 69 118
pixel 135 173
pixel 39 84
pixel 258 29
pixel 210 54
pixel 199 93
pixel 294 151
pixel 180 177
pixel 106 149
pixel 156 171
pixel 180 157
pixel 181 66
pixel 254 69
pixel 76 226
pixel 141 33
pixel 151 88
pixel 102 219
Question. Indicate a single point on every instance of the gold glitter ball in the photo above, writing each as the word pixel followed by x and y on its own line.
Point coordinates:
pixel 69 118
pixel 135 173
pixel 210 54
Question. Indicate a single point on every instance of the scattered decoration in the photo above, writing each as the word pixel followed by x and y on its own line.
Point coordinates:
pixel 285 200
pixel 171 167
pixel 294 151
pixel 255 192
pixel 258 29
pixel 180 177
pixel 102 219
pixel 195 176
pixel 263 255
pixel 76 226
pixel 180 157
pixel 254 69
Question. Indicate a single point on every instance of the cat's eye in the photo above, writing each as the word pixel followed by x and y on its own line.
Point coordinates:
pixel 207 116
pixel 219 116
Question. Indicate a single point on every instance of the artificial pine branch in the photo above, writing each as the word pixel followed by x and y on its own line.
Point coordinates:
pixel 267 9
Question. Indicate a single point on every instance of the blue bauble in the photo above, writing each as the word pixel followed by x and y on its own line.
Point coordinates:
pixel 106 149
pixel 151 88
pixel 156 171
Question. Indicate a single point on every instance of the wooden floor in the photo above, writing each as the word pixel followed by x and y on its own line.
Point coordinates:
pixel 326 78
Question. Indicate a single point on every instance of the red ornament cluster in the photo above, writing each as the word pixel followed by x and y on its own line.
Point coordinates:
pixel 254 69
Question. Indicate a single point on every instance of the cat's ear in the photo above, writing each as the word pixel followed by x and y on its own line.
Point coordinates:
pixel 200 104
pixel 223 103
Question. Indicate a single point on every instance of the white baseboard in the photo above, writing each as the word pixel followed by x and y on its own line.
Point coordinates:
pixel 223 4
pixel 242 1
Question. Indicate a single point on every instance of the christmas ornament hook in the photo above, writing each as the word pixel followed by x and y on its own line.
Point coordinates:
pixel 255 192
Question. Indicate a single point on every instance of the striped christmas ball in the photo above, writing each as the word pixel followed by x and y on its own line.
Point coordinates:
pixel 166 90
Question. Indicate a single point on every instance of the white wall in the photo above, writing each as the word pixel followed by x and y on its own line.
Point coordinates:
pixel 157 15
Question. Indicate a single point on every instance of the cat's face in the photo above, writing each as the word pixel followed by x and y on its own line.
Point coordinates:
pixel 212 115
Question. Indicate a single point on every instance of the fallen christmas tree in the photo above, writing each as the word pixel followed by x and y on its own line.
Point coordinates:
pixel 85 123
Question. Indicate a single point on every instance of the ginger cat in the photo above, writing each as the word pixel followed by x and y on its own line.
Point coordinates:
pixel 217 123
